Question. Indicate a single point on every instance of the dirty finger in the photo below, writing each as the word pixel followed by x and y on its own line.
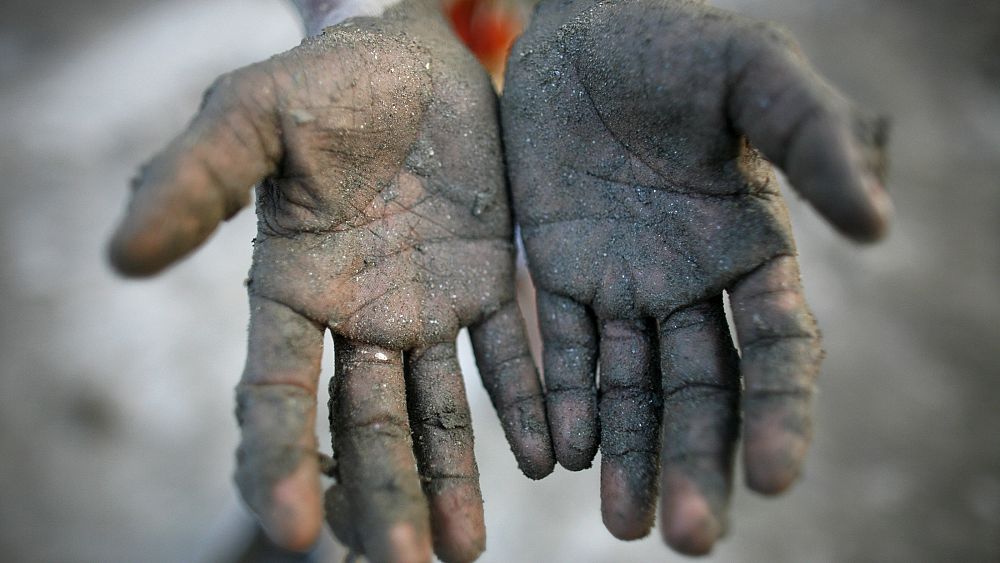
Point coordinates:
pixel 443 442
pixel 630 426
pixel 701 389
pixel 781 359
pixel 569 355
pixel 374 452
pixel 277 464
pixel 510 378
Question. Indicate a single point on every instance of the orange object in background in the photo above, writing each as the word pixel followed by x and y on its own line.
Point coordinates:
pixel 488 28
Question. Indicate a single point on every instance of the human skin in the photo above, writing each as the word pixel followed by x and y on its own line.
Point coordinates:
pixel 636 133
pixel 383 217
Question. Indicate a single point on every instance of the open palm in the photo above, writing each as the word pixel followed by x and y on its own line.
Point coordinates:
pixel 383 217
pixel 636 136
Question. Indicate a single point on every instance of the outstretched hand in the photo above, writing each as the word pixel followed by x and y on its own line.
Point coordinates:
pixel 383 217
pixel 636 133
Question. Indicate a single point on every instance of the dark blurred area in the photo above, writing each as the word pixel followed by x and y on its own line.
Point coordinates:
pixel 116 426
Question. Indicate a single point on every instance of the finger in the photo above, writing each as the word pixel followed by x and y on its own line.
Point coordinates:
pixel 700 426
pixel 833 154
pixel 277 463
pixel 259 548
pixel 569 355
pixel 511 380
pixel 442 430
pixel 630 427
pixel 202 177
pixel 340 516
pixel 375 462
pixel 781 355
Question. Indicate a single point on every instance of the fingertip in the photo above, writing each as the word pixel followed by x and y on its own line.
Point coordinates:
pixel 771 475
pixel 462 551
pixel 872 226
pixel 624 510
pixel 687 522
pixel 301 539
pixel 527 429
pixel 573 423
pixel 864 218
pixel 841 177
pixel 691 533
pixel 294 519
pixel 773 460
pixel 512 381
pixel 458 524
pixel 407 545
pixel 573 458
pixel 538 470
pixel 535 457
pixel 129 259
pixel 624 528
pixel 339 518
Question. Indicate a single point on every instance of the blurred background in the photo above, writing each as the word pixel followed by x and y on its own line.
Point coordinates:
pixel 116 425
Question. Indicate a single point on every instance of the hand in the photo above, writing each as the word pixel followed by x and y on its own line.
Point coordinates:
pixel 383 218
pixel 632 131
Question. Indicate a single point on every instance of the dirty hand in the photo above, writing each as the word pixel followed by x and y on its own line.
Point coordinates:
pixel 636 133
pixel 383 217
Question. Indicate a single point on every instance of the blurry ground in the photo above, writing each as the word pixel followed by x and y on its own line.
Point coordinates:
pixel 116 432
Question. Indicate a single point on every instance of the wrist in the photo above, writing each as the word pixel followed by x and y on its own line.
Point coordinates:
pixel 319 14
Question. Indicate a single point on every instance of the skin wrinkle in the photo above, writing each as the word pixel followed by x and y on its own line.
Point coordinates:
pixel 597 111
pixel 696 386
pixel 631 130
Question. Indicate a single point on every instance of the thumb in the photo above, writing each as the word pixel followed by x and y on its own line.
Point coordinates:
pixel 832 153
pixel 203 177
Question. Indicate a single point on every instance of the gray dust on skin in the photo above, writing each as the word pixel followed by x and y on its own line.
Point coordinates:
pixel 632 155
pixel 270 448
pixel 494 346
pixel 388 220
pixel 391 224
pixel 618 138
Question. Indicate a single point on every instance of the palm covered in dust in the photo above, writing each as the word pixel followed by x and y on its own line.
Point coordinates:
pixel 383 218
pixel 628 128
